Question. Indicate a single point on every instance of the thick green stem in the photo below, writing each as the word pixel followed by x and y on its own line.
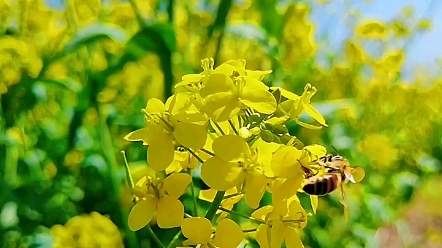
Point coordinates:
pixel 192 189
pixel 215 204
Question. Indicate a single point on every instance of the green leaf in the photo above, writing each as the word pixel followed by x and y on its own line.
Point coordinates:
pixel 221 16
pixel 314 202
pixel 67 83
pixel 93 33
pixel 156 38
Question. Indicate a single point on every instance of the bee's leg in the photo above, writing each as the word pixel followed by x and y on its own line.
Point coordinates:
pixel 307 171
pixel 344 202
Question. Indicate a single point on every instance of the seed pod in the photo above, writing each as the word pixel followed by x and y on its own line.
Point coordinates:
pixel 266 135
pixel 280 129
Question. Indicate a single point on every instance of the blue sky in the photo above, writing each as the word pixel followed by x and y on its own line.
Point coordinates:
pixel 424 51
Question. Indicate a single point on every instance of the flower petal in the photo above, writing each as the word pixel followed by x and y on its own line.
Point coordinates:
pixel 262 236
pixel 155 105
pixel 141 134
pixel 216 83
pixel 255 187
pixel 190 135
pixel 260 100
pixel 221 175
pixel 308 108
pixel 142 212
pixel 197 229
pixel 262 212
pixel 176 184
pixel 228 234
pixel 277 233
pixel 222 106
pixel 161 151
pixel 292 239
pixel 170 212
pixel 285 162
pixel 231 148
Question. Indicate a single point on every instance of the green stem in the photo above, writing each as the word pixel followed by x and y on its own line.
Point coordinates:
pixel 219 128
pixel 194 154
pixel 154 237
pixel 175 239
pixel 192 189
pixel 215 204
pixel 242 215
pixel 208 152
pixel 233 127
pixel 138 14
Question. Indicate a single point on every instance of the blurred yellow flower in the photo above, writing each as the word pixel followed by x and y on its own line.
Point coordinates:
pixel 372 30
pixel 92 230
pixel 380 149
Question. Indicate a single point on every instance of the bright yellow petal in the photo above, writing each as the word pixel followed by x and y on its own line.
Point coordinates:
pixel 228 234
pixel 178 102
pixel 170 212
pixel 141 214
pixel 292 239
pixel 155 105
pixel 259 100
pixel 197 229
pixel 222 106
pixel 288 188
pixel 176 184
pixel 255 187
pixel 285 162
pixel 190 135
pixel 231 148
pixel 308 108
pixel 138 135
pixel 262 212
pixel 296 212
pixel 217 83
pixel 161 152
pixel 207 195
pixel 221 175
pixel 262 236
pixel 277 232
pixel 287 94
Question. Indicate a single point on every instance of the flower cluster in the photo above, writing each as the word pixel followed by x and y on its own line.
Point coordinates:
pixel 93 230
pixel 227 124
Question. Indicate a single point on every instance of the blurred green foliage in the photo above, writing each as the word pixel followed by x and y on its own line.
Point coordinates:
pixel 72 82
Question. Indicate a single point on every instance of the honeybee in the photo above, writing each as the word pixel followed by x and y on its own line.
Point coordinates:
pixel 337 172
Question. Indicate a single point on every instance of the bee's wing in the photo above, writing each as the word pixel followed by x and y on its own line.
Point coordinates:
pixel 358 174
pixel 348 174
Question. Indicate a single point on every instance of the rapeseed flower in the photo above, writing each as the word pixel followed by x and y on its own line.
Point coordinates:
pixel 198 231
pixel 160 197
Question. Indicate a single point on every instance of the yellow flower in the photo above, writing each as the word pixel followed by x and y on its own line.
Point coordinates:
pixel 234 164
pixel 92 230
pixel 163 127
pixel 198 231
pixel 281 225
pixel 229 87
pixel 160 197
pixel 372 30
pixel 231 198
pixel 295 105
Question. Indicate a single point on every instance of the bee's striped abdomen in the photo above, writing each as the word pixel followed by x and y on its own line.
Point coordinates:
pixel 322 185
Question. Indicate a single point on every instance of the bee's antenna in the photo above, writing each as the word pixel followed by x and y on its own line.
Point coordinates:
pixel 336 150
